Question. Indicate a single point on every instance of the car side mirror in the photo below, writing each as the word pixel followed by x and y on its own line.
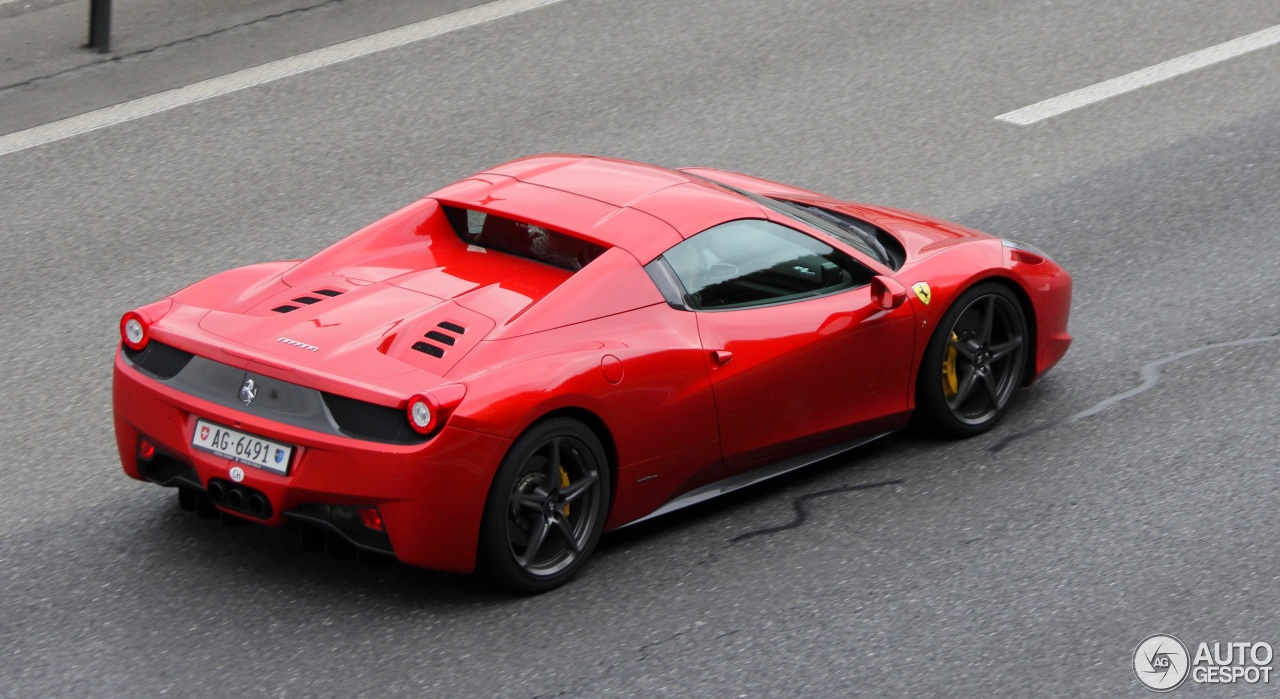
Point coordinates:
pixel 887 293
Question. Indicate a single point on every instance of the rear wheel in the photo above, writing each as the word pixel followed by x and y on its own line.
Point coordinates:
pixel 546 508
pixel 974 363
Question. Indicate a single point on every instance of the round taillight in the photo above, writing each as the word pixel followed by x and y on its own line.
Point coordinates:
pixel 422 414
pixel 133 330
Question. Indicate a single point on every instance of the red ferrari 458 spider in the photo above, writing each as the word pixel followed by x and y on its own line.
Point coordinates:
pixel 497 374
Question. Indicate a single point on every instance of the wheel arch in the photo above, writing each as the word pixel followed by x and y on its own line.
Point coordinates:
pixel 927 392
pixel 496 565
pixel 1028 312
pixel 601 431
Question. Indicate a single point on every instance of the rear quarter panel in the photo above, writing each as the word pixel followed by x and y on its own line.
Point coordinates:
pixel 659 414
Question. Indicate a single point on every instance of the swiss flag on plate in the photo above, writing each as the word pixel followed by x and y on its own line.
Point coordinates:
pixel 204 432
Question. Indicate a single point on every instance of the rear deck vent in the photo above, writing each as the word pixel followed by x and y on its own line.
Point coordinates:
pixel 285 308
pixel 428 348
pixel 452 327
pixel 306 300
pixel 441 337
pixel 327 292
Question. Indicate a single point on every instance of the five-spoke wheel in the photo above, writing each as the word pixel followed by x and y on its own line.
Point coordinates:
pixel 546 508
pixel 974 363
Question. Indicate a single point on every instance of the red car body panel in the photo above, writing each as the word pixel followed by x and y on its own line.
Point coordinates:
pixel 792 355
pixel 680 399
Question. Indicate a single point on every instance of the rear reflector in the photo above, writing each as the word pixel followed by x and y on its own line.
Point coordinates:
pixel 370 518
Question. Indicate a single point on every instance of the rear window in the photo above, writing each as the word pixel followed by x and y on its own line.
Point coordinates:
pixel 522 239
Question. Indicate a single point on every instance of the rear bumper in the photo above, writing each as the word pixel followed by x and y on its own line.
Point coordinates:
pixel 431 496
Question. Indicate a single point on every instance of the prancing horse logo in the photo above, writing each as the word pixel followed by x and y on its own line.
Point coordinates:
pixel 248 391
pixel 922 292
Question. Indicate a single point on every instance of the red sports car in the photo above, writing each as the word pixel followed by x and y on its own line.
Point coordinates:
pixel 497 374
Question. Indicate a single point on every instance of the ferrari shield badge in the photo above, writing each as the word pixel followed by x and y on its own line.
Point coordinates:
pixel 922 292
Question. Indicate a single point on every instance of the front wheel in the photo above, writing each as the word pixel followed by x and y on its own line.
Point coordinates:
pixel 546 508
pixel 974 362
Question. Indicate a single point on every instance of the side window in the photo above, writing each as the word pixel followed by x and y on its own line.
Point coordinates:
pixel 752 262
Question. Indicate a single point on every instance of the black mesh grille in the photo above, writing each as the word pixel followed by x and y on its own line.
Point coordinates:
pixel 158 359
pixel 428 348
pixel 285 308
pixel 441 337
pixel 362 420
pixel 452 327
pixel 306 300
pixel 327 292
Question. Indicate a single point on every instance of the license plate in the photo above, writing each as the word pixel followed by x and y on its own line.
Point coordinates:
pixel 244 448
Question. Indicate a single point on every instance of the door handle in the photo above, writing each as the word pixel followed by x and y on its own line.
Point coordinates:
pixel 721 357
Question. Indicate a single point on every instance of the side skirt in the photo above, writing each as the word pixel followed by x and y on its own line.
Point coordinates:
pixel 757 475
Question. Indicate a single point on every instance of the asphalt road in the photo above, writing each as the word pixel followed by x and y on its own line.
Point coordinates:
pixel 1028 561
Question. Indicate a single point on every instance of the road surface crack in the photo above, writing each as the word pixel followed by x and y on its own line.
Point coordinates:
pixel 802 513
pixel 1150 374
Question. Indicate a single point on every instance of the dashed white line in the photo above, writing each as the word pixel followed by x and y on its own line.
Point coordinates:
pixel 268 72
pixel 1142 78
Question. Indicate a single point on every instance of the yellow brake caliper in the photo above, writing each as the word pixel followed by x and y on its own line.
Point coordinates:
pixel 950 384
pixel 565 484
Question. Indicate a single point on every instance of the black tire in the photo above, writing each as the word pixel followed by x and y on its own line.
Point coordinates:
pixel 974 363
pixel 557 508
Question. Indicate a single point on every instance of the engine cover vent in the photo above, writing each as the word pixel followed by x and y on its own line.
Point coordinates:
pixel 428 348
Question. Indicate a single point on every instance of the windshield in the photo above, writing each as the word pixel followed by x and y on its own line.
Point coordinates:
pixel 821 219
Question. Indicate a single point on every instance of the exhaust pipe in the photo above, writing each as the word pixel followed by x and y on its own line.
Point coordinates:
pixel 233 497
pixel 258 505
pixel 216 492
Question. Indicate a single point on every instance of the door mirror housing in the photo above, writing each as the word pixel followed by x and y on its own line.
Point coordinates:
pixel 887 293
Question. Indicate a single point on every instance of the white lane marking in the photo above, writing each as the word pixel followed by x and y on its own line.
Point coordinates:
pixel 1141 78
pixel 268 72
